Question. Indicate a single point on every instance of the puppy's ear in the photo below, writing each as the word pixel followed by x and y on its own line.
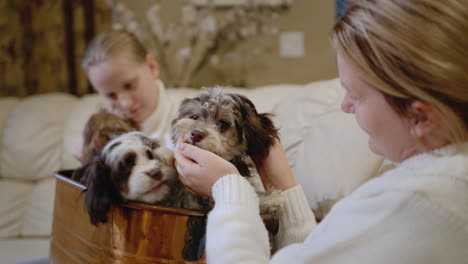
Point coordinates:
pixel 95 143
pixel 101 192
pixel 258 129
pixel 134 125
pixel 100 139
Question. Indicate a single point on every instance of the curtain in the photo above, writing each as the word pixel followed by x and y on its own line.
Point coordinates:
pixel 42 43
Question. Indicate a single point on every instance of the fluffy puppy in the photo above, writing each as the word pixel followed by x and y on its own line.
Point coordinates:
pixel 226 124
pixel 230 126
pixel 101 127
pixel 134 167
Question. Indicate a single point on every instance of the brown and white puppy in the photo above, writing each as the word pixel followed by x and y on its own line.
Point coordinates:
pixel 100 128
pixel 229 125
pixel 226 124
pixel 134 167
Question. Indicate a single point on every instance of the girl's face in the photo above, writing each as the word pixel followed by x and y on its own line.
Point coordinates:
pixel 128 86
pixel 389 133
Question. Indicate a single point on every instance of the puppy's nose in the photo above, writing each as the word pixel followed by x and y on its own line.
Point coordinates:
pixel 155 174
pixel 196 136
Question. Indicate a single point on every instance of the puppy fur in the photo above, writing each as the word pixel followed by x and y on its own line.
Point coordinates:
pixel 100 128
pixel 134 167
pixel 229 125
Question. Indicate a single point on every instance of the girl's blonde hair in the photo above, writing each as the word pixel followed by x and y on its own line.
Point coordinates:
pixel 411 50
pixel 111 43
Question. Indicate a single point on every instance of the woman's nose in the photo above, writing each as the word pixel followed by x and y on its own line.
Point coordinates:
pixel 347 106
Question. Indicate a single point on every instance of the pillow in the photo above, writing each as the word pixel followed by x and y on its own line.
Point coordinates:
pixel 33 135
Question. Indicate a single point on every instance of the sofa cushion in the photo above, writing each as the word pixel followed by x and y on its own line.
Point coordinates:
pixel 74 126
pixel 30 151
pixel 17 250
pixel 326 149
pixel 38 215
pixel 268 98
pixel 6 104
pixel 33 135
pixel 26 207
pixel 14 197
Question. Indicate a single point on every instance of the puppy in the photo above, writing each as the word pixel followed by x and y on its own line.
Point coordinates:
pixel 230 126
pixel 227 125
pixel 102 127
pixel 99 129
pixel 134 167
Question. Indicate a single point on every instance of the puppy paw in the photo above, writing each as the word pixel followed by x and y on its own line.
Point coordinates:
pixel 166 155
pixel 270 208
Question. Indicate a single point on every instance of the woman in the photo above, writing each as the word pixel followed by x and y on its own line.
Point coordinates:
pixel 403 65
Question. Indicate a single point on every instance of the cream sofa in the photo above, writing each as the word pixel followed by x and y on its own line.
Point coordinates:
pixel 326 149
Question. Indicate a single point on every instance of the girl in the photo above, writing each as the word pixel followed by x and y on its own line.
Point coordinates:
pixel 127 77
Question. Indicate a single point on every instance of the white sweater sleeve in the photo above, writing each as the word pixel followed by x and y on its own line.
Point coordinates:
pixel 297 219
pixel 235 231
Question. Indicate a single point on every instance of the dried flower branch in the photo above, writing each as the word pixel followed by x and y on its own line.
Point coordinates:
pixel 202 36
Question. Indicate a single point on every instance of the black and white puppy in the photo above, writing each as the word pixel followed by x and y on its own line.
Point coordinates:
pixel 134 167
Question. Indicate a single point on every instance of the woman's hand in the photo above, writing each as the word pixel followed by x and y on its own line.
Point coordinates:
pixel 199 169
pixel 275 169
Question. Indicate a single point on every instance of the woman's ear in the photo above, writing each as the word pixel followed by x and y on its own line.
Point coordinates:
pixel 424 119
pixel 153 64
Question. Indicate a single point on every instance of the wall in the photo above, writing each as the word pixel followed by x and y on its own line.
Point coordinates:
pixel 314 18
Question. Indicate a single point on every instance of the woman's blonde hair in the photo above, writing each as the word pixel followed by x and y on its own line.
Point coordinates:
pixel 110 43
pixel 411 50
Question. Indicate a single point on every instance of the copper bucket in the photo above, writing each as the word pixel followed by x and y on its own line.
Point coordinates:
pixel 134 233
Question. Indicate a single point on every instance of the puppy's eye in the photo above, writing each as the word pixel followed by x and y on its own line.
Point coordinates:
pixel 119 132
pixel 127 162
pixel 194 117
pixel 149 154
pixel 223 125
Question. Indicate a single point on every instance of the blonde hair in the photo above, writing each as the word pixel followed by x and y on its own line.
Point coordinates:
pixel 412 50
pixel 111 43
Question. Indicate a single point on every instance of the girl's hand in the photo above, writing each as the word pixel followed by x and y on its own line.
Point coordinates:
pixel 77 152
pixel 199 169
pixel 275 169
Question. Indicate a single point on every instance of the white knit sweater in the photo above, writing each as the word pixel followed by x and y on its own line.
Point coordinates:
pixel 415 213
pixel 158 124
